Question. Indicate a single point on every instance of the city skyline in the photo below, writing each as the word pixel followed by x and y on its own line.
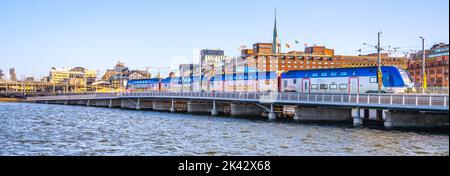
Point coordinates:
pixel 38 35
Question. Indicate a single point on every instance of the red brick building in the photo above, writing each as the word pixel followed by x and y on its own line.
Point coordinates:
pixel 436 66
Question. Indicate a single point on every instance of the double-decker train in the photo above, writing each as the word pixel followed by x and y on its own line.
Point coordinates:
pixel 336 80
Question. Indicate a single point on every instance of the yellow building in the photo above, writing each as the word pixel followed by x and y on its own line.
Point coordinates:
pixel 59 76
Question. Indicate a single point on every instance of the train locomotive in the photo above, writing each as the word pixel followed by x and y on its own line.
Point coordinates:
pixel 335 80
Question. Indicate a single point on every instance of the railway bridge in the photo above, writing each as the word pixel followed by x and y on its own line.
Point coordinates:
pixel 392 110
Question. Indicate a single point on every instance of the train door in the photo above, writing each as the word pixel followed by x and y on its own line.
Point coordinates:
pixel 159 86
pixel 306 85
pixel 279 81
pixel 353 85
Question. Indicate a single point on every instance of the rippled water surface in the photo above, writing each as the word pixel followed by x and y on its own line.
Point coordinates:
pixel 39 129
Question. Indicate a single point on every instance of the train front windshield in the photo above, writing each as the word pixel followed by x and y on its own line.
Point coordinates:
pixel 406 77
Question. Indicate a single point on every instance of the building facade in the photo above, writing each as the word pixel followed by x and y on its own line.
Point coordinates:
pixel 436 66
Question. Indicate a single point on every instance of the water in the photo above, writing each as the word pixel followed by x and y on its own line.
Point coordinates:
pixel 39 129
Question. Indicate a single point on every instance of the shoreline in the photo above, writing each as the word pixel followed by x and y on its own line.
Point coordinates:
pixel 6 100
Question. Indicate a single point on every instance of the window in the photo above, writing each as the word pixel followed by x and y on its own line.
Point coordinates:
pixel 343 87
pixel 285 83
pixel 315 74
pixel 295 81
pixel 333 74
pixel 343 73
pixel 324 74
pixel 314 86
pixel 333 86
pixel 323 86
pixel 373 80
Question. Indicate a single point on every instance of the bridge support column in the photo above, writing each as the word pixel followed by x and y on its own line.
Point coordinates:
pixel 66 102
pixel 173 109
pixel 272 114
pixel 88 103
pixel 138 104
pixel 319 114
pixel 214 111
pixel 410 119
pixel 357 119
pixel 110 103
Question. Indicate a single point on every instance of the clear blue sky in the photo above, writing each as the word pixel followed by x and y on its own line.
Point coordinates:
pixel 36 35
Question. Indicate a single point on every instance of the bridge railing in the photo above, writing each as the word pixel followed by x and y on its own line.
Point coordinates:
pixel 324 98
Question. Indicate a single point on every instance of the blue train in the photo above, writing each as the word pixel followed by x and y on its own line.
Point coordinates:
pixel 336 80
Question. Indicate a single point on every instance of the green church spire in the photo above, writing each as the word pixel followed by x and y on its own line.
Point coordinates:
pixel 275 41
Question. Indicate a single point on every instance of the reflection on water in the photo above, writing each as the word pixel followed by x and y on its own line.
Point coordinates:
pixel 39 129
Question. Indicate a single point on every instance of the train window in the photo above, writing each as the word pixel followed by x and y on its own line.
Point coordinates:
pixel 314 86
pixel 295 81
pixel 333 74
pixel 315 74
pixel 285 83
pixel 343 73
pixel 343 87
pixel 324 74
pixel 373 80
pixel 323 86
pixel 333 86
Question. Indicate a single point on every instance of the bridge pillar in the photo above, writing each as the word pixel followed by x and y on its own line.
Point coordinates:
pixel 66 102
pixel 138 104
pixel 319 114
pixel 410 119
pixel 173 109
pixel 110 103
pixel 88 103
pixel 272 114
pixel 214 111
pixel 357 119
pixel 245 110
pixel 199 107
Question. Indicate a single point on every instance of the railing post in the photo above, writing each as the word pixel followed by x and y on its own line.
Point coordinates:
pixel 368 98
pixel 357 98
pixel 404 100
pixel 342 98
pixel 417 100
pixel 445 101
pixel 431 100
pixel 391 99
pixel 379 98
